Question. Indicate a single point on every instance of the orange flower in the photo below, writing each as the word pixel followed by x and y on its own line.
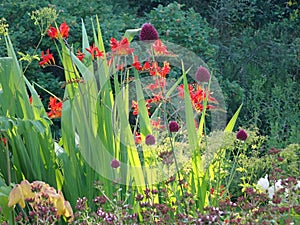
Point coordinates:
pixel 197 96
pixel 52 32
pixel 94 51
pixel 55 108
pixel 156 124
pixel 47 58
pixel 122 47
pixel 160 83
pixel 80 55
pixel 159 48
pixel 137 138
pixel 135 107
pixel 64 30
pixel 165 70
pixel 136 64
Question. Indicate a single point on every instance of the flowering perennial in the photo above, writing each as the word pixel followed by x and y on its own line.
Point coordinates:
pixel 122 47
pixel 63 31
pixel 55 108
pixel 198 96
pixel 95 52
pixel 39 195
pixel 148 32
pixel 47 58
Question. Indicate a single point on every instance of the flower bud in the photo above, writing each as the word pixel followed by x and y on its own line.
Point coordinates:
pixel 148 32
pixel 150 139
pixel 202 74
pixel 115 164
pixel 241 135
pixel 173 126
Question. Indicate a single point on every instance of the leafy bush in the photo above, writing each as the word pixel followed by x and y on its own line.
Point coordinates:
pixel 263 61
pixel 186 28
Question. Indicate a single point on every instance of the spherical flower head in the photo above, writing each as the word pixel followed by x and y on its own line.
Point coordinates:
pixel 202 75
pixel 173 126
pixel 150 139
pixel 241 135
pixel 148 32
pixel 115 163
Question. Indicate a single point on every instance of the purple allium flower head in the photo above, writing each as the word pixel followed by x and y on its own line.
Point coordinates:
pixel 241 135
pixel 115 163
pixel 173 126
pixel 150 139
pixel 148 32
pixel 202 74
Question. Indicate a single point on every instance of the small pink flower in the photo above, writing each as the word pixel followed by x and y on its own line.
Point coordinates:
pixel 150 139
pixel 241 135
pixel 115 163
pixel 202 75
pixel 173 126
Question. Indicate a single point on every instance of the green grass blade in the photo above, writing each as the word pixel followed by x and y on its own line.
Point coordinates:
pixel 230 125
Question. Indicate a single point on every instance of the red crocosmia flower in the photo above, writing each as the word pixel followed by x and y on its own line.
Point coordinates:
pixel 135 107
pixel 136 64
pixel 154 69
pixel 197 96
pixel 156 124
pixel 64 30
pixel 80 55
pixel 138 138
pixel 165 70
pixel 52 32
pixel 155 98
pixel 122 47
pixel 199 106
pixel 55 108
pixel 46 58
pixel 94 51
pixel 120 67
pixel 180 89
pixel 146 66
pixel 30 100
pixel 159 83
pixel 159 48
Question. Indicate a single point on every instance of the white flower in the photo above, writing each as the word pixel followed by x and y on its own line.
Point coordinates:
pixel 271 192
pixel 298 184
pixel 273 188
pixel 263 183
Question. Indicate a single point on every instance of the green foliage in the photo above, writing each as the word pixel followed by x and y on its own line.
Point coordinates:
pixel 24 125
pixel 186 28
pixel 260 66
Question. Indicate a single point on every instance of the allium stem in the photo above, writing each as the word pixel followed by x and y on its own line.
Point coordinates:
pixel 8 164
pixel 177 168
